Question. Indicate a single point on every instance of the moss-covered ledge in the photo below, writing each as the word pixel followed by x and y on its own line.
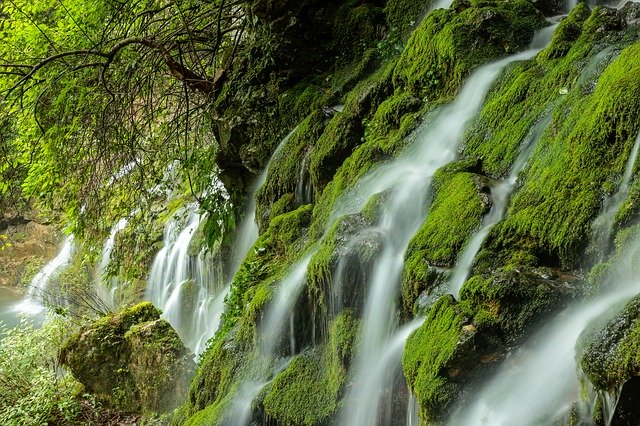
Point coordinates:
pixel 132 360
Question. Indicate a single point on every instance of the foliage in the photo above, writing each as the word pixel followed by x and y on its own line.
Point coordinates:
pixel 4 242
pixel 34 390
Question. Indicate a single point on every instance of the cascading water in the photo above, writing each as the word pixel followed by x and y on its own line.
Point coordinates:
pixel 177 277
pixel 106 288
pixel 177 274
pixel 537 384
pixel 602 227
pixel 38 288
pixel 404 210
pixel 304 190
pixel 500 195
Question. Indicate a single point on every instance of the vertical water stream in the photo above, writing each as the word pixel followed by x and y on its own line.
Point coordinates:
pixel 500 193
pixel 39 286
pixel 403 212
pixel 537 384
pixel 190 287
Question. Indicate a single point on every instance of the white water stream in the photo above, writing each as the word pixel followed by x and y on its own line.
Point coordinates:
pixel 408 181
pixel 39 286
pixel 537 384
pixel 190 289
pixel 602 227
pixel 500 193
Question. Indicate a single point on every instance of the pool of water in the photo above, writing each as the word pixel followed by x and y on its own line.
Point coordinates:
pixel 9 316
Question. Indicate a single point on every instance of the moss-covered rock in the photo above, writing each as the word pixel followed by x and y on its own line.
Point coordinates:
pixel 308 391
pixel 460 341
pixel 133 361
pixel 428 354
pixel 550 215
pixel 447 45
pixel 610 354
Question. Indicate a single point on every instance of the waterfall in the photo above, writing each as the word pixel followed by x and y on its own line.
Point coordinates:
pixel 38 288
pixel 304 190
pixel 282 302
pixel 106 288
pixel 404 211
pixel 500 194
pixel 539 381
pixel 537 384
pixel 602 227
pixel 178 279
pixel 190 288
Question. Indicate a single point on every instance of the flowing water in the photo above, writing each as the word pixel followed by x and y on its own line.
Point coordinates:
pixel 408 183
pixel 281 307
pixel 39 287
pixel 537 384
pixel 602 227
pixel 500 194
pixel 189 286
pixel 106 287
pixel 180 279
pixel 304 190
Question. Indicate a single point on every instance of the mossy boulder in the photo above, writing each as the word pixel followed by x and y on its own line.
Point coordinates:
pixel 133 361
pixel 460 342
pixel 610 354
pixel 448 44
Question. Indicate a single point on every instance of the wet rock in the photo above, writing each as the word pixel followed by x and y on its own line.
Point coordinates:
pixel 132 361
pixel 627 412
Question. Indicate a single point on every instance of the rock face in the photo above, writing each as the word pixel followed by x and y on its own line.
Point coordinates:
pixel 133 361
pixel 32 245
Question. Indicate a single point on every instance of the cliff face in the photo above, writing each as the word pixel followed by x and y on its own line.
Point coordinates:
pixel 554 133
pixel 449 195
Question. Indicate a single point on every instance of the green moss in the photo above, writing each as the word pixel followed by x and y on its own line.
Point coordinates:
pixel 562 191
pixel 447 45
pixel 345 131
pixel 455 213
pixel 359 21
pixel 512 300
pixel 133 360
pixel 402 15
pixel 308 391
pixel 609 353
pixel 284 169
pixel 265 261
pixel 568 31
pixel 427 354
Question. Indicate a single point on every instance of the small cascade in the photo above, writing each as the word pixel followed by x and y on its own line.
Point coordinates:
pixel 304 190
pixel 38 288
pixel 107 287
pixel 381 374
pixel 538 383
pixel 500 193
pixel 412 411
pixel 602 227
pixel 178 279
pixel 273 325
pixel 247 230
pixel 408 182
pixel 240 411
pixel 190 288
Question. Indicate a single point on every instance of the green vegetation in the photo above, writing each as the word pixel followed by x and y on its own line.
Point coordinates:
pixel 32 392
pixel 132 361
pixel 427 354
